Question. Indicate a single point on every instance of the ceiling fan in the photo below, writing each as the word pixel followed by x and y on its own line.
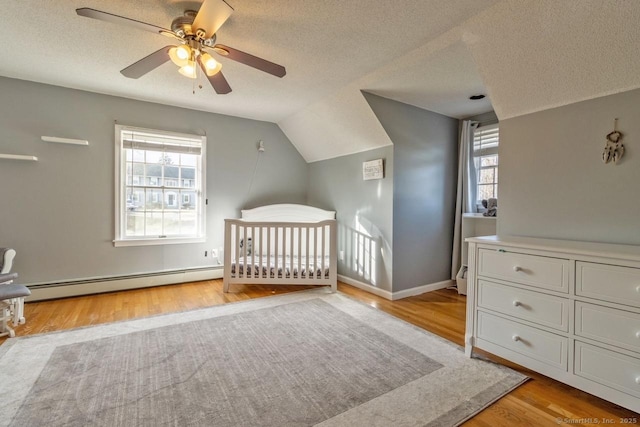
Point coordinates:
pixel 196 33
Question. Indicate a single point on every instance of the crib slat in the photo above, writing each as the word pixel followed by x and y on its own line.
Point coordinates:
pixel 268 272
pixel 259 252
pixel 276 255
pixel 292 252
pixel 306 253
pixel 333 263
pixel 236 249
pixel 315 251
pixel 323 232
pixel 244 251
pixel 299 253
pixel 253 251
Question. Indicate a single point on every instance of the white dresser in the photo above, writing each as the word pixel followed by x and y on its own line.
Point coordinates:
pixel 569 310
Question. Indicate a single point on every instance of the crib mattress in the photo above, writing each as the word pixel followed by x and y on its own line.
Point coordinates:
pixel 284 267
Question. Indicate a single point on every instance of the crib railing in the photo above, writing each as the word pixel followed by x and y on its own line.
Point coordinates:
pixel 287 253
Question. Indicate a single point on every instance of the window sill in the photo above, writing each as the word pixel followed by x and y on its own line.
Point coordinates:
pixel 155 242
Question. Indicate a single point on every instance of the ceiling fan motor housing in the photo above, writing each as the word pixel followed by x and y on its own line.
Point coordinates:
pixel 183 27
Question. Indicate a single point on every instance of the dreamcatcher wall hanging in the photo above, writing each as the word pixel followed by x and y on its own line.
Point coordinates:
pixel 614 150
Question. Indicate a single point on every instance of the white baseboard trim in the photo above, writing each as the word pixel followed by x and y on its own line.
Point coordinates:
pixel 365 287
pixel 422 289
pixel 42 292
pixel 392 296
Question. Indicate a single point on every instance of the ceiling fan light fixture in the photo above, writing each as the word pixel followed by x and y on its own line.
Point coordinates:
pixel 211 66
pixel 188 70
pixel 180 55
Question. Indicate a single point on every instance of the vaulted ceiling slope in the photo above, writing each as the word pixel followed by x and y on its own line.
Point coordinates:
pixel 527 55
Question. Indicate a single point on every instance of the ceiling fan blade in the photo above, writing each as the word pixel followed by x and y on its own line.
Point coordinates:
pixel 250 60
pixel 146 64
pixel 211 16
pixel 117 19
pixel 219 83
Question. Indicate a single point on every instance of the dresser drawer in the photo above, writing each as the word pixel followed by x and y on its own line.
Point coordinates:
pixel 608 325
pixel 533 270
pixel 608 282
pixel 533 306
pixel 540 345
pixel 609 368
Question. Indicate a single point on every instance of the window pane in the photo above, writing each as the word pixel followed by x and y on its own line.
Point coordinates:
pixel 171 224
pixel 135 223
pixel 485 191
pixel 154 199
pixel 188 221
pixel 170 159
pixel 188 177
pixel 138 199
pixel 153 223
pixel 138 155
pixel 489 161
pixel 486 176
pixel 188 160
pixel 153 157
pixel 171 200
pixel 171 175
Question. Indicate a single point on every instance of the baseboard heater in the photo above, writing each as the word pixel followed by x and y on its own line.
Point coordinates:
pixel 97 285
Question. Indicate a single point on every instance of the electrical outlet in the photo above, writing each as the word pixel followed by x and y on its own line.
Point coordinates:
pixel 341 256
pixel 214 253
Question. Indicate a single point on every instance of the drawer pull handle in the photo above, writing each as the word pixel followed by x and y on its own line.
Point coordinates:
pixel 517 303
pixel 516 338
pixel 517 268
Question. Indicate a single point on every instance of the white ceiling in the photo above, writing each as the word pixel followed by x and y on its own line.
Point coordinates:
pixel 527 55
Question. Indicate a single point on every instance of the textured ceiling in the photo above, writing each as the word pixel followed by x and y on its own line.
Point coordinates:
pixel 527 55
pixel 539 54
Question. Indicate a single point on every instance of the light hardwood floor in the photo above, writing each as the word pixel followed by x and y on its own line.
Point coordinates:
pixel 540 401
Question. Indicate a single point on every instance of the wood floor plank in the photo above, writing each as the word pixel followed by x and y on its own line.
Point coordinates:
pixel 540 401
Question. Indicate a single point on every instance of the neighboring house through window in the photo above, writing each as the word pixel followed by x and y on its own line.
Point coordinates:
pixel 155 171
pixel 485 153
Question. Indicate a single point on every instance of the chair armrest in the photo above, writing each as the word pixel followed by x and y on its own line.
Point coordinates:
pixel 6 259
pixel 7 277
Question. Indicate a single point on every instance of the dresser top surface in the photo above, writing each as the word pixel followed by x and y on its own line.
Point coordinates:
pixel 609 250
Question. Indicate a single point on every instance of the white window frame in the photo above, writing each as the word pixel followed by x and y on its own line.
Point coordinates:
pixel 120 191
pixel 479 152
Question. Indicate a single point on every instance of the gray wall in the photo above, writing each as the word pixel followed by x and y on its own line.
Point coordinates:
pixel 553 182
pixel 424 190
pixel 337 184
pixel 58 213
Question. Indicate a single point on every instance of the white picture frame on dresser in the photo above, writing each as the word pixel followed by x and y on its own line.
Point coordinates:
pixel 569 310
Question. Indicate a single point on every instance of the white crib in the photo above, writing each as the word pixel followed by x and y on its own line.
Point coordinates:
pixel 282 244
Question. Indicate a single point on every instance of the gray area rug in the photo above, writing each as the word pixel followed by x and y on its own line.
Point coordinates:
pixel 309 358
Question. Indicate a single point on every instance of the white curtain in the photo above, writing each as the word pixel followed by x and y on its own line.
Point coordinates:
pixel 467 186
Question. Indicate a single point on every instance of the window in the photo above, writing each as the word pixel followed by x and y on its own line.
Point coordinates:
pixel 155 170
pixel 485 154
